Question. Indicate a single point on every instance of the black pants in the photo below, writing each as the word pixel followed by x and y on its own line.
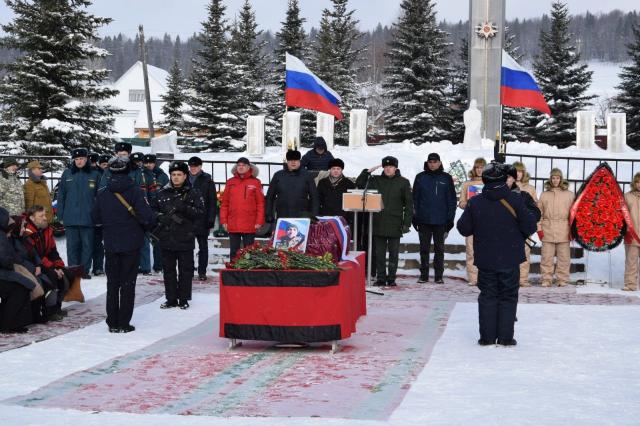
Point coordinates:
pixel 98 251
pixel 60 287
pixel 425 233
pixel 15 308
pixel 234 242
pixel 177 283
pixel 203 253
pixel 122 270
pixel 384 245
pixel 157 257
pixel 497 302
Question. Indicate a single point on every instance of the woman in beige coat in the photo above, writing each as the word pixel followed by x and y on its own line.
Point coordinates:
pixel 555 204
pixel 523 183
pixel 632 250
pixel 475 176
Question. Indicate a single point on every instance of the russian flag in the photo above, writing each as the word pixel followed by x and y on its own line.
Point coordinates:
pixel 518 87
pixel 304 89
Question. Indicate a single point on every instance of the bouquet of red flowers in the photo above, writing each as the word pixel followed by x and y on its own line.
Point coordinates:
pixel 598 221
pixel 257 256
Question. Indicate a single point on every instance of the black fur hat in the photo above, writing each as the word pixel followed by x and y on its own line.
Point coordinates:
pixel 336 162
pixel 123 146
pixel 495 172
pixel 293 155
pixel 179 166
pixel 149 158
pixel 79 152
pixel 390 161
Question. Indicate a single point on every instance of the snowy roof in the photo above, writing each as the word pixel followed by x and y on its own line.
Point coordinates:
pixel 155 73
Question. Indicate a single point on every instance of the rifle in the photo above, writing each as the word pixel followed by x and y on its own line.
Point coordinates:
pixel 165 219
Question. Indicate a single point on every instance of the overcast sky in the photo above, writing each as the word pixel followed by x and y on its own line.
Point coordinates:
pixel 183 17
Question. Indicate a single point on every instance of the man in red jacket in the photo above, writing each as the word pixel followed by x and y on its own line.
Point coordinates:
pixel 41 247
pixel 242 210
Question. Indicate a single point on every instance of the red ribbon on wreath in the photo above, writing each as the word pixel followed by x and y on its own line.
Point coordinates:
pixel 599 217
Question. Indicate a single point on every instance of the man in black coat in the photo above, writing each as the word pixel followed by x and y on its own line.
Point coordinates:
pixel 122 211
pixel 318 158
pixel 180 209
pixel 330 190
pixel 292 191
pixel 499 221
pixel 204 184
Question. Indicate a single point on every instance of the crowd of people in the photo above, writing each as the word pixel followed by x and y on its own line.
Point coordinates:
pixel 123 215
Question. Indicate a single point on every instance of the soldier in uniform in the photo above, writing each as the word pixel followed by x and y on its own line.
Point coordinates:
pixel 179 208
pixel 11 191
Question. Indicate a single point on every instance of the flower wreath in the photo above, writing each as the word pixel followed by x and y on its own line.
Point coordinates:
pixel 599 217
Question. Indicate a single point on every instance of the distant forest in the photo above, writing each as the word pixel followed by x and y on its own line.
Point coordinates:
pixel 601 37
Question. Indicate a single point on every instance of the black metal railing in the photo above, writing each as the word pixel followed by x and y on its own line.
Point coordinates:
pixel 575 170
pixel 220 171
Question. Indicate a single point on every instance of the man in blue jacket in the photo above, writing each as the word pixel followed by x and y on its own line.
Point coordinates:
pixel 318 158
pixel 128 216
pixel 499 221
pixel 434 204
pixel 76 194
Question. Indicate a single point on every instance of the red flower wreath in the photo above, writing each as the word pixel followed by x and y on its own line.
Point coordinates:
pixel 598 222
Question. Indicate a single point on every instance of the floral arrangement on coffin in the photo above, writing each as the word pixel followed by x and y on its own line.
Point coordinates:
pixel 258 256
pixel 599 217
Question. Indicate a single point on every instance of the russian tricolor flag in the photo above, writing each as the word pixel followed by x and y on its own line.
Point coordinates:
pixel 304 89
pixel 518 87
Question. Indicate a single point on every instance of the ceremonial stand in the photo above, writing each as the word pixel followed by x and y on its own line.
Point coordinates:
pixel 363 201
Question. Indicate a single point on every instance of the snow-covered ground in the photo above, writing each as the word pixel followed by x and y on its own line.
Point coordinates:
pixel 572 365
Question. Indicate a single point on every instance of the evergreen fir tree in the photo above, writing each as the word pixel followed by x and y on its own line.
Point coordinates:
pixel 629 97
pixel 514 120
pixel 459 93
pixel 50 94
pixel 247 54
pixel 563 80
pixel 290 39
pixel 336 58
pixel 215 89
pixel 416 76
pixel 174 100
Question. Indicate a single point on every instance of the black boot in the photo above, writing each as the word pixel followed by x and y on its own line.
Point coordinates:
pixel 169 304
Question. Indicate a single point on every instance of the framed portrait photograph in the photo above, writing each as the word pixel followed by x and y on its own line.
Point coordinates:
pixel 291 233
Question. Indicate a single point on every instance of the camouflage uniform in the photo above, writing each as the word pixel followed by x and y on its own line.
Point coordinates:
pixel 11 193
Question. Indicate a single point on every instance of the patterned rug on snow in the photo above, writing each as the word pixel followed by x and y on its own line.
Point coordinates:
pixel 193 373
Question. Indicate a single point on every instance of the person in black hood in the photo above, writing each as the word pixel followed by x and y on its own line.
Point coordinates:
pixel 180 207
pixel 15 307
pixel 498 219
pixel 292 192
pixel 318 158
pixel 434 205
pixel 203 183
pixel 121 210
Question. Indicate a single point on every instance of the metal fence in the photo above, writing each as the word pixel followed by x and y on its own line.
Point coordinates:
pixel 575 169
pixel 220 171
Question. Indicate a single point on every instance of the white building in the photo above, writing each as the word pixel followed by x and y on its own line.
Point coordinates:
pixel 132 121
